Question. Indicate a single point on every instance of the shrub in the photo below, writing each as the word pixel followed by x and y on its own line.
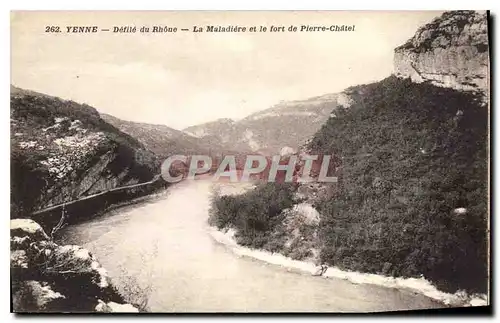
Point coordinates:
pixel 253 214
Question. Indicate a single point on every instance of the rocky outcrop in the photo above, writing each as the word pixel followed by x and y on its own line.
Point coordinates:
pixel 62 151
pixel 47 277
pixel 112 307
pixel 451 51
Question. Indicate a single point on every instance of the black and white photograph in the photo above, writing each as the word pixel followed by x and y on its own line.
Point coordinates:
pixel 249 161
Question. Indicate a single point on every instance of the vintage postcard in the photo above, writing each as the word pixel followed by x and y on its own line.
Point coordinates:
pixel 243 162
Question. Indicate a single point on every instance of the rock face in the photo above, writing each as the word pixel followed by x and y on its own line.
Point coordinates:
pixel 62 151
pixel 47 277
pixel 451 51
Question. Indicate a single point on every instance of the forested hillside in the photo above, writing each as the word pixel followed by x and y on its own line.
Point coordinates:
pixel 412 198
pixel 412 193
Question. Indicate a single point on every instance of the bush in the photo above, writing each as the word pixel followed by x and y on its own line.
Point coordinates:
pixel 254 214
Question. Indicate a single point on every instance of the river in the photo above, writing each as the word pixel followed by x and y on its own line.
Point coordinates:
pixel 159 253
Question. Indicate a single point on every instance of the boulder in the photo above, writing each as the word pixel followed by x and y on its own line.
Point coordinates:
pixel 27 228
pixel 47 277
pixel 112 307
pixel 35 296
pixel 75 260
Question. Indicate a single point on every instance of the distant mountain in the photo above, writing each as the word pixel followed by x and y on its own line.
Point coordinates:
pixel 62 150
pixel 285 126
pixel 165 141
pixel 162 140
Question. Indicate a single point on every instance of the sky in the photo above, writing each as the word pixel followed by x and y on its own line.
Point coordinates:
pixel 185 78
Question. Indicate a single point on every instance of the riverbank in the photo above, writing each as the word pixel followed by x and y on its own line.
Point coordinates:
pixel 82 285
pixel 47 277
pixel 417 285
pixel 159 254
pixel 87 207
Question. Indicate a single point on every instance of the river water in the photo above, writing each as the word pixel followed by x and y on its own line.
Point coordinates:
pixel 159 253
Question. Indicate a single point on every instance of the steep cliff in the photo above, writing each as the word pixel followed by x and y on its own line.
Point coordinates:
pixel 451 51
pixel 62 150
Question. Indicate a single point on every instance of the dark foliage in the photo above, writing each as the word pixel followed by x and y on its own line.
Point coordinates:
pixel 254 214
pixel 411 155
